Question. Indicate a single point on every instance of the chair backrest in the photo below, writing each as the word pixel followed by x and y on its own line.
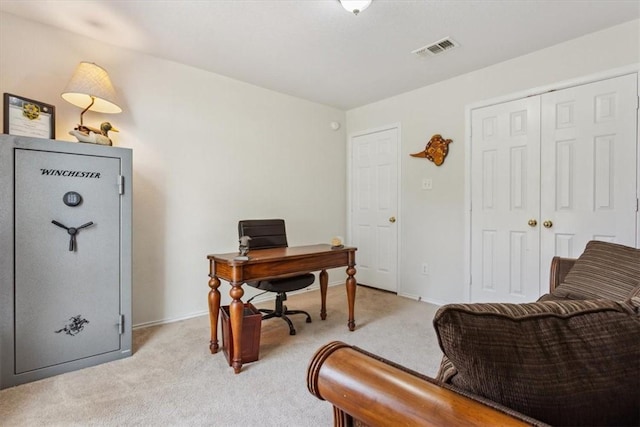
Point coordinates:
pixel 264 233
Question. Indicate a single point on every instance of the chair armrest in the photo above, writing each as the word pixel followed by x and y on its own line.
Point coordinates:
pixel 559 269
pixel 380 393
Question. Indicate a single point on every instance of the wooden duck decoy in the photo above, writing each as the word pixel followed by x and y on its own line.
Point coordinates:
pixel 436 150
pixel 93 135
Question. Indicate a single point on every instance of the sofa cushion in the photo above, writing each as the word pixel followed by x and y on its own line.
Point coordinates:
pixel 561 362
pixel 446 371
pixel 604 270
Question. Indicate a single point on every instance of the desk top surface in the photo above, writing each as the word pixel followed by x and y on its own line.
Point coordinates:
pixel 261 255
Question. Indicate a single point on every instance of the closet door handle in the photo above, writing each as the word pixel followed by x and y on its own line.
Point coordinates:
pixel 532 223
pixel 547 224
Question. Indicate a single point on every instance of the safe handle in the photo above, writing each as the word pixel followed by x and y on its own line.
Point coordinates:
pixel 72 231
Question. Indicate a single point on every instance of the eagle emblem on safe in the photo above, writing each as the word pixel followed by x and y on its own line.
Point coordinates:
pixel 436 150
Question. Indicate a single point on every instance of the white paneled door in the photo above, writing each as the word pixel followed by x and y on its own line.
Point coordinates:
pixel 588 188
pixel 374 207
pixel 505 197
pixel 549 173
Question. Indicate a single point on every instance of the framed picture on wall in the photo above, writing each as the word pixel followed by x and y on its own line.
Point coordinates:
pixel 27 117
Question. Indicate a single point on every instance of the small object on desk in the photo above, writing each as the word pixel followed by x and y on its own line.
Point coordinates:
pixel 336 243
pixel 241 258
pixel 244 247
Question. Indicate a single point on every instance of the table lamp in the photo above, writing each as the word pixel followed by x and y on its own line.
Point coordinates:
pixel 90 88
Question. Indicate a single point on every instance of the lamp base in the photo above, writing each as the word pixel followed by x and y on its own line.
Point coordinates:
pixel 92 135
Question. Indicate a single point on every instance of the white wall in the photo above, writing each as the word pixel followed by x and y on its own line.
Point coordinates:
pixel 207 150
pixel 432 222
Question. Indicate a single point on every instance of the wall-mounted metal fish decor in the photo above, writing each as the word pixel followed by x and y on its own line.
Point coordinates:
pixel 436 150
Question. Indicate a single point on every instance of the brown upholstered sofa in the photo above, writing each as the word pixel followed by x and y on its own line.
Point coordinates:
pixel 571 358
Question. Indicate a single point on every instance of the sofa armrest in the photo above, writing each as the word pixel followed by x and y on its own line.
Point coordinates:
pixel 559 269
pixel 377 392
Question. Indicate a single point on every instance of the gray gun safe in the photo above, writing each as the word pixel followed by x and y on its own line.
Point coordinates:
pixel 65 257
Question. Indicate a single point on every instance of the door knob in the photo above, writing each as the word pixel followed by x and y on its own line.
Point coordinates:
pixel 547 224
pixel 532 223
pixel 392 219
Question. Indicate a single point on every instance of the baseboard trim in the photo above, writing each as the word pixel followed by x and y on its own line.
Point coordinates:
pixel 169 320
pixel 419 298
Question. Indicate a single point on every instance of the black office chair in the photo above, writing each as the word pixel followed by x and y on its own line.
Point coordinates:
pixel 271 233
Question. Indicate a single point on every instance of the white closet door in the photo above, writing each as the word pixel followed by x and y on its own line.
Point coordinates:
pixel 505 166
pixel 567 160
pixel 589 160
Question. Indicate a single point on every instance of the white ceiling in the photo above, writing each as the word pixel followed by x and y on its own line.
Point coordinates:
pixel 314 49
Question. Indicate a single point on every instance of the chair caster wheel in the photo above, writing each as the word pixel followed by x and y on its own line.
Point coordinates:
pixel 292 332
pixel 308 320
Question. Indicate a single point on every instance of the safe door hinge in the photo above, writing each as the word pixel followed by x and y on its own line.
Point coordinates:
pixel 121 325
pixel 120 184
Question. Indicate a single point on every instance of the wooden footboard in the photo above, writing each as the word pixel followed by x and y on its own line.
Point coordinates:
pixel 376 392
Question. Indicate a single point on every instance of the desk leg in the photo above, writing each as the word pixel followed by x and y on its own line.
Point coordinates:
pixel 236 310
pixel 324 282
pixel 351 295
pixel 214 310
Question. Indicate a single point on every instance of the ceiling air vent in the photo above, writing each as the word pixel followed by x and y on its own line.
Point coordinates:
pixel 436 48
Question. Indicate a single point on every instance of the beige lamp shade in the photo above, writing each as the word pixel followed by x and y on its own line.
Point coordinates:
pixel 91 84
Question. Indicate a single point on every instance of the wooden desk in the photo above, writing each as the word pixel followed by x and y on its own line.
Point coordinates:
pixel 267 264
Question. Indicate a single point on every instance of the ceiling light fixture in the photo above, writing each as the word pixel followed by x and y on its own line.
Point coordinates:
pixel 355 6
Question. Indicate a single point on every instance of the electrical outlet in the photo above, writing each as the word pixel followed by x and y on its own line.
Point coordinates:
pixel 425 268
pixel 427 184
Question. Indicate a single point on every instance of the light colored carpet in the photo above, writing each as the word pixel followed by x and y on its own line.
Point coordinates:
pixel 173 380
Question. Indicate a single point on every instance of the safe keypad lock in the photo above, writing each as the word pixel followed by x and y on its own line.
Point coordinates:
pixel 72 199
